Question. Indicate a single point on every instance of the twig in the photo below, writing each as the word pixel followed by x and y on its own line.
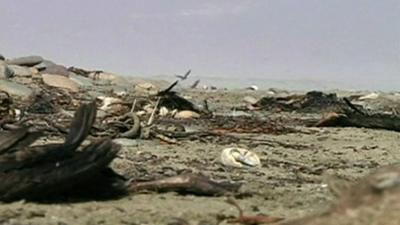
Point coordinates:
pixel 154 112
pixel 166 139
pixel 133 105
pixel 250 220
pixel 231 201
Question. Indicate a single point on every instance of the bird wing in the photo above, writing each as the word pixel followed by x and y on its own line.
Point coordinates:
pixel 81 124
pixel 187 74
pixel 10 138
pixel 194 85
pixel 35 172
pixel 51 178
pixel 24 156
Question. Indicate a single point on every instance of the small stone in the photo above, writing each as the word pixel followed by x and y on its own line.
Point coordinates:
pixel 250 100
pixel 145 86
pixel 60 82
pixel 25 61
pixel 15 89
pixel 252 87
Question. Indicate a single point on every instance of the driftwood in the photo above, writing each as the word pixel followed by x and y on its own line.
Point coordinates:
pixel 354 116
pixel 40 172
pixel 186 184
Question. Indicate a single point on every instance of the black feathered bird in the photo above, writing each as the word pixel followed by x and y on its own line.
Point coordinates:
pixel 195 84
pixel 58 170
pixel 184 77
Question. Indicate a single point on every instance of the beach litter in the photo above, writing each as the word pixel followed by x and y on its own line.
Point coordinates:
pixel 239 157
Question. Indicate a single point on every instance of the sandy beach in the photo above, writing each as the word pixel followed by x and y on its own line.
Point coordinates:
pixel 297 164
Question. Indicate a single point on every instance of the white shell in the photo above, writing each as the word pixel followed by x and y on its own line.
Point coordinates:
pixel 108 101
pixel 239 157
pixel 163 111
pixel 141 113
pixel 148 108
pixel 186 114
pixel 253 87
pixel 17 114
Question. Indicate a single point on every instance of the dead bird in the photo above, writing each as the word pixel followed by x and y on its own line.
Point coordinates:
pixel 40 172
pixel 184 77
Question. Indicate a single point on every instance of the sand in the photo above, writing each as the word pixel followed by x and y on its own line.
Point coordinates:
pixel 291 183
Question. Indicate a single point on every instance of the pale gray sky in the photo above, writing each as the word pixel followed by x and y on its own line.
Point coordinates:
pixel 291 39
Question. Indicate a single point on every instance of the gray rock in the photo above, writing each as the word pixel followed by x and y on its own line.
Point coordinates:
pixel 43 65
pixel 5 71
pixel 15 89
pixel 59 81
pixel 56 69
pixel 25 61
pixel 82 81
pixel 2 57
pixel 21 71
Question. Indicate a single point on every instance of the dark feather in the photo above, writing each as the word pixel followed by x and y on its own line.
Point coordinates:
pixel 184 77
pixel 8 139
pixel 168 89
pixel 195 84
pixel 39 172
